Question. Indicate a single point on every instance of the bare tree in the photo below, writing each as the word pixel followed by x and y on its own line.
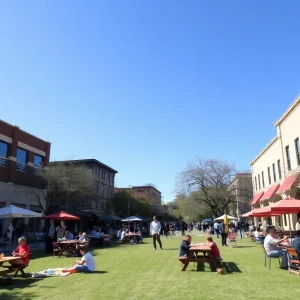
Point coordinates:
pixel 67 185
pixel 209 180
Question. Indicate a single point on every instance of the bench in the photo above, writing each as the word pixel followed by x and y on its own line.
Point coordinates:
pixel 17 268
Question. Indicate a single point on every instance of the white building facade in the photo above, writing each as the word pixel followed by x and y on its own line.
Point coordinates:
pixel 276 169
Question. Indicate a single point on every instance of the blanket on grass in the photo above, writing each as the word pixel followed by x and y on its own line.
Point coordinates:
pixel 50 273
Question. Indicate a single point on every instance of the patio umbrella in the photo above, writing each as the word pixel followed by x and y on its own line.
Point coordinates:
pixel 207 221
pixel 228 218
pixel 12 211
pixel 132 219
pixel 225 220
pixel 61 216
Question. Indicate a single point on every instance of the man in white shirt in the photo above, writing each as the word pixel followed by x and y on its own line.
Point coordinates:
pixel 298 225
pixel 155 228
pixel 271 245
pixel 123 234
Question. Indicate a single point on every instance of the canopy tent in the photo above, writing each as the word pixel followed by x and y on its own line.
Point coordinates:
pixel 229 218
pixel 12 211
pixel 61 216
pixel 132 219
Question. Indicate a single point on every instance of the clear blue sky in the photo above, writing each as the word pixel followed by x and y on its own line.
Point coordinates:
pixel 145 86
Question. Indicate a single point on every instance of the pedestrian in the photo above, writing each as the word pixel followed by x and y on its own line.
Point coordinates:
pixel 217 228
pixel 155 228
pixel 223 233
pixel 166 230
pixel 50 237
pixel 183 228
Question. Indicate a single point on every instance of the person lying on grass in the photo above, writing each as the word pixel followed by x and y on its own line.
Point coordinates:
pixel 85 265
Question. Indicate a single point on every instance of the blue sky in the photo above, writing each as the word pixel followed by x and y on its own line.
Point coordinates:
pixel 145 86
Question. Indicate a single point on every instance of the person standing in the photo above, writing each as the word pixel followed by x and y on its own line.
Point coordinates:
pixel 223 233
pixel 183 228
pixel 298 225
pixel 155 228
pixel 217 229
pixel 50 237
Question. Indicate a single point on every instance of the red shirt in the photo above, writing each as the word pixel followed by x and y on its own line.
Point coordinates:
pixel 24 250
pixel 214 249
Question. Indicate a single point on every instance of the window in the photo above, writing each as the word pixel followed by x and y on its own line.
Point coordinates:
pixel 97 172
pixel 263 179
pixel 274 172
pixel 288 158
pixel 3 154
pixel 102 189
pixel 269 175
pixel 103 174
pixel 97 187
pixel 255 183
pixel 37 161
pixel 112 179
pixel 279 169
pixel 102 206
pixel 285 221
pixel 107 205
pixel 297 147
pixel 21 160
pixel 108 177
pixel 259 181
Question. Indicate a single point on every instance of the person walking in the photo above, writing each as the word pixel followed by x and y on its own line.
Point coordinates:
pixel 183 228
pixel 217 229
pixel 155 228
pixel 223 233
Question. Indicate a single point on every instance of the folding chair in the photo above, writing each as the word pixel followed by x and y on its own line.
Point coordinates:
pixel 293 260
pixel 232 238
pixel 267 256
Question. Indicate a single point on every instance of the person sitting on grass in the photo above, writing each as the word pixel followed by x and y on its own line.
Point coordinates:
pixel 185 246
pixel 140 236
pixel 22 251
pixel 85 265
pixel 214 248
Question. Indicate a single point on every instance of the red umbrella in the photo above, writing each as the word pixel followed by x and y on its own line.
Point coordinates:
pixel 287 206
pixel 61 216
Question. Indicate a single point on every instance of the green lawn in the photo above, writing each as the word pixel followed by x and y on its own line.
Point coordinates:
pixel 134 272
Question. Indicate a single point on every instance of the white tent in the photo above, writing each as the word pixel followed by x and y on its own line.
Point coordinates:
pixel 230 218
pixel 132 219
pixel 13 211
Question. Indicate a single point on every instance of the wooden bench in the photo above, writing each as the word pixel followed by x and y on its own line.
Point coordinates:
pixel 18 268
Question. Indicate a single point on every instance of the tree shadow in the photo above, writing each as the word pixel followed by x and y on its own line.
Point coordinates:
pixel 99 272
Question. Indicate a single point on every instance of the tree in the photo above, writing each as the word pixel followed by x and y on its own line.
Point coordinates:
pixel 67 185
pixel 208 180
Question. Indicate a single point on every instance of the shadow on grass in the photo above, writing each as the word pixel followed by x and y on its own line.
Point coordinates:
pixel 171 249
pixel 230 267
pixel 245 247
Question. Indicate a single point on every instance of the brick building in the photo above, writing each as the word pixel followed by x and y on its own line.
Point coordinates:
pixel 21 156
pixel 104 180
pixel 147 191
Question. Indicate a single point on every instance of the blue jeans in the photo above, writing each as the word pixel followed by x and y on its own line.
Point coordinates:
pixel 280 253
pixel 83 269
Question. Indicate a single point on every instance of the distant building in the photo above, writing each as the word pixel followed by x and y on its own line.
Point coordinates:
pixel 146 191
pixel 241 186
pixel 22 155
pixel 276 169
pixel 104 180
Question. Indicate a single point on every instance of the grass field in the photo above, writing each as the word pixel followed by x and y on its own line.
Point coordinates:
pixel 135 272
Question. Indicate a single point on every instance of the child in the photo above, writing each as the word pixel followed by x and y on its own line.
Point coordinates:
pixel 85 265
pixel 214 248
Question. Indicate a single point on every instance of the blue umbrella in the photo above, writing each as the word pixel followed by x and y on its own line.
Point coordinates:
pixel 207 221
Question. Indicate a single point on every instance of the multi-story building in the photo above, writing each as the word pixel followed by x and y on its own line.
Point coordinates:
pixel 146 191
pixel 104 181
pixel 241 187
pixel 21 156
pixel 276 169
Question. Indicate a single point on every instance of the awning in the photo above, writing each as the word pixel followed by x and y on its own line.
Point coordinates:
pixel 270 192
pixel 61 216
pixel 256 198
pixel 287 206
pixel 288 183
pixel 116 218
pixel 81 213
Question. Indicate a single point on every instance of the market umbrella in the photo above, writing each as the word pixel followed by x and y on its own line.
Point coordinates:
pixel 225 220
pixel 61 216
pixel 207 221
pixel 132 219
pixel 228 218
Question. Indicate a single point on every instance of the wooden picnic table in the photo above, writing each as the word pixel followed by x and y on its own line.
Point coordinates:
pixel 193 256
pixel 69 246
pixel 7 259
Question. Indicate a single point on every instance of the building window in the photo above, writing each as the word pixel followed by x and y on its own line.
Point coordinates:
pixel 112 179
pixel 37 161
pixel 263 179
pixel 103 174
pixel 274 172
pixel 255 183
pixel 108 177
pixel 269 175
pixel 3 154
pixel 279 169
pixel 97 187
pixel 102 189
pixel 297 147
pixel 97 172
pixel 288 157
pixel 259 181
pixel 21 160
pixel 102 206
pixel 107 205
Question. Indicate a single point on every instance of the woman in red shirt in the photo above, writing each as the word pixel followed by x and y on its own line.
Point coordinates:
pixel 22 251
pixel 214 248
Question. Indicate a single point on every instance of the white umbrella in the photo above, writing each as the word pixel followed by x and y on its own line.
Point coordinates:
pixel 132 219
pixel 13 211
pixel 228 217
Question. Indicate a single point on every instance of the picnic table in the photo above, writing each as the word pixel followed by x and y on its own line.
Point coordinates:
pixel 129 237
pixel 69 246
pixel 7 259
pixel 198 253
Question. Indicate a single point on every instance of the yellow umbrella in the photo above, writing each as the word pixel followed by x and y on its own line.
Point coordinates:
pixel 226 223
